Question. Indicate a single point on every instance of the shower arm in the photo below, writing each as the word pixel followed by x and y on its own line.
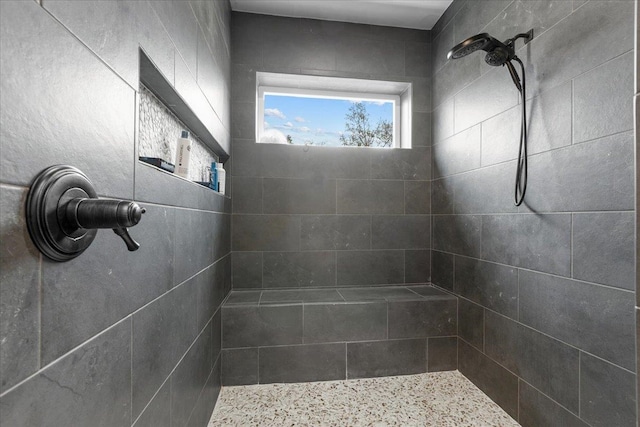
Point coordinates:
pixel 526 36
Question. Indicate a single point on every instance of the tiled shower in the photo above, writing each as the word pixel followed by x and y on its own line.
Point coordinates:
pixel 321 263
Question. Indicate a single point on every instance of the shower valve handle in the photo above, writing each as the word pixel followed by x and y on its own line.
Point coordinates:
pixel 104 213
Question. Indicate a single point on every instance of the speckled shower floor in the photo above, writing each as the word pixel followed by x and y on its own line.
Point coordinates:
pixel 434 399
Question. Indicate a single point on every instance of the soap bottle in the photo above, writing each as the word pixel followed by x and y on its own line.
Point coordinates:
pixel 213 184
pixel 183 155
pixel 222 175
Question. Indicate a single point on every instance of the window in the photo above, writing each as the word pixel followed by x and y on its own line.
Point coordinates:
pixel 330 111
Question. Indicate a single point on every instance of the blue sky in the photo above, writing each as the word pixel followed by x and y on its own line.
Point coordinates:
pixel 317 120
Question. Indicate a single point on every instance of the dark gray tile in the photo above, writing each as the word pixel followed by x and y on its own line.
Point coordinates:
pixel 386 358
pixel 494 380
pixel 158 411
pixel 442 354
pixel 421 319
pixel 247 195
pixel 486 190
pixel 454 76
pixel 553 53
pixel 491 285
pixel 603 248
pixel 417 197
pixel 246 269
pixel 201 413
pixel 543 362
pixel 312 51
pixel 19 292
pixel 212 286
pixel 539 16
pixel 180 22
pixel 345 322
pixel 107 103
pixel 442 120
pixel 459 153
pixel 302 363
pixel 90 386
pixel 109 29
pixel 594 318
pixel 442 196
pixel 265 233
pixel 245 326
pixel 299 269
pixel 457 234
pixel 162 333
pixel 421 129
pixel 193 249
pixel 370 268
pixel 243 126
pixel 88 294
pixel 540 242
pixel 537 410
pixel 421 94
pixel 243 298
pixel 471 323
pixel 335 232
pixel 491 94
pixel 391 293
pixel 247 154
pixel 300 296
pixel 189 378
pixel 299 196
pixel 397 163
pixel 400 232
pixel 370 197
pixel 471 18
pixel 549 126
pixel 442 270
pixel 602 168
pixel 417 58
pixel 213 80
pixel 333 163
pixel 363 55
pixel 417 266
pixel 240 366
pixel 607 393
pixel 216 339
pixel 443 41
pixel 243 82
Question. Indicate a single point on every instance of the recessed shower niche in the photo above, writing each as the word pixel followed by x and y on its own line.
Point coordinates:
pixel 162 117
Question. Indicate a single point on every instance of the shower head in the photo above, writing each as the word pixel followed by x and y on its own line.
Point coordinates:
pixel 498 53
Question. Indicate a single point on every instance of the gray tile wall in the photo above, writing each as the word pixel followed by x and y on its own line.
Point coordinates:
pixel 546 314
pixel 112 337
pixel 325 216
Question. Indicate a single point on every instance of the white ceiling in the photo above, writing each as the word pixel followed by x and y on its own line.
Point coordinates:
pixel 419 14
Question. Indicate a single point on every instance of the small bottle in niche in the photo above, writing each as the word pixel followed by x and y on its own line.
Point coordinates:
pixel 222 175
pixel 213 183
pixel 183 155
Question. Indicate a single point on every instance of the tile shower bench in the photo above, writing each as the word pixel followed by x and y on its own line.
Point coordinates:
pixel 273 336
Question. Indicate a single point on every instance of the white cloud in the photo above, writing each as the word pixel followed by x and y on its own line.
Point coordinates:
pixel 266 124
pixel 304 129
pixel 273 136
pixel 319 131
pixel 274 112
pixel 299 120
pixel 288 125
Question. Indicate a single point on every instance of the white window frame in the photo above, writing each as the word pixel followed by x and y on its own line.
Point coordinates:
pixel 399 93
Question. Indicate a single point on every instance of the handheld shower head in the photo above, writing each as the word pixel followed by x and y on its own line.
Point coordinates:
pixel 498 53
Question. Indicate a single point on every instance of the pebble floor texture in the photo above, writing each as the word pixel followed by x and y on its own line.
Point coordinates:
pixel 435 399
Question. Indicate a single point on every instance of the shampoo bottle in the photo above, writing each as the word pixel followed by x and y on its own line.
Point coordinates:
pixel 222 176
pixel 214 177
pixel 183 155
